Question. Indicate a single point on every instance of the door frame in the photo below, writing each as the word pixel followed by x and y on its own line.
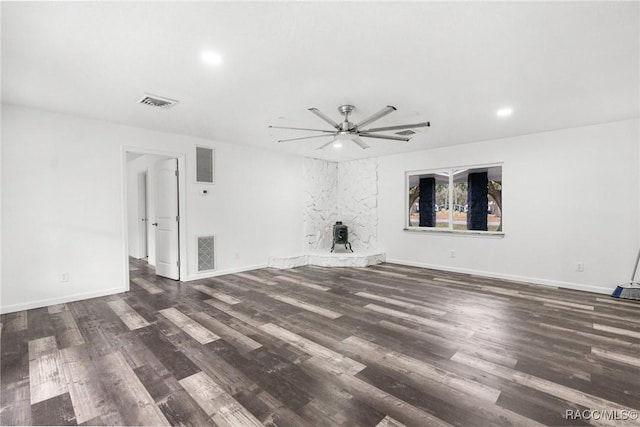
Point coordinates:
pixel 143 225
pixel 182 206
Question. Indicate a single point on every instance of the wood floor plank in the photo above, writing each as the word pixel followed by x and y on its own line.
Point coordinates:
pixel 419 319
pixel 128 315
pixel 236 338
pixel 15 405
pixel 67 332
pixel 57 308
pixel 46 376
pixel 133 401
pixel 399 303
pixel 147 285
pixel 307 306
pixel 364 391
pixel 456 408
pixel 617 331
pixel 216 403
pixel 14 322
pixel 430 372
pixel 39 324
pixel 57 411
pixel 217 294
pixel 616 342
pixel 347 365
pixel 157 350
pixel 85 390
pixel 180 409
pixel 306 284
pixel 389 422
pixel 189 326
pixel 226 298
pixel 577 397
pixel 618 357
pixel 256 279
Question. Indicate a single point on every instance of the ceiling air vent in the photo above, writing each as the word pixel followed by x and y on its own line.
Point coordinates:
pixel 407 132
pixel 157 101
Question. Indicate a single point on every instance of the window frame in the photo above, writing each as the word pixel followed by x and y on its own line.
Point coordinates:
pixel 449 230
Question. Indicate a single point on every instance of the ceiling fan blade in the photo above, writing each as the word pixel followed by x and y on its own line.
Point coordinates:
pixel 386 110
pixel 304 137
pixel 327 144
pixel 324 117
pixel 399 127
pixel 315 130
pixel 360 142
pixel 393 138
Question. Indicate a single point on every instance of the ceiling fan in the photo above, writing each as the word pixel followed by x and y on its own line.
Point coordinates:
pixel 352 132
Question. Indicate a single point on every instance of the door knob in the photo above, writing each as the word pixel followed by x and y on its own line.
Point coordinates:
pixel 155 224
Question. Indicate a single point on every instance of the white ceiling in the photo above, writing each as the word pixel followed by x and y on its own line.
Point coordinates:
pixel 558 65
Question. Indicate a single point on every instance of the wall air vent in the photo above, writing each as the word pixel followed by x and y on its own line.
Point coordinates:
pixel 206 253
pixel 407 132
pixel 157 101
pixel 204 165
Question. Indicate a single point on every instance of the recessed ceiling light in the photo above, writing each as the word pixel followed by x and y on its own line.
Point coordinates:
pixel 337 144
pixel 504 112
pixel 211 57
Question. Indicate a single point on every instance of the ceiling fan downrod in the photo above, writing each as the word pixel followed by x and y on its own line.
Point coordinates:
pixel 345 110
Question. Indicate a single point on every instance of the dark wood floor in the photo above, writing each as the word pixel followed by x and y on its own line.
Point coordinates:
pixel 385 345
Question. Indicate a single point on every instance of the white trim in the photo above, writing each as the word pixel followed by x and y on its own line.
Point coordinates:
pixel 182 205
pixel 449 168
pixel 511 277
pixel 60 300
pixel 214 273
pixel 460 233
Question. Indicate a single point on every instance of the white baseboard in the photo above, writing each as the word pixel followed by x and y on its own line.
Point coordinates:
pixel 511 277
pixel 60 300
pixel 214 273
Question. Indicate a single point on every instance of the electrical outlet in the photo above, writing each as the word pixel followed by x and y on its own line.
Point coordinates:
pixel 64 277
pixel 453 253
pixel 580 266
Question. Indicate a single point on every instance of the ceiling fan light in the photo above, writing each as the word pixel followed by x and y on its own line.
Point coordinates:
pixel 345 136
pixel 337 144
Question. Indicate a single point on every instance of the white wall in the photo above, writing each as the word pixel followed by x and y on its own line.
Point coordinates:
pixel 588 175
pixel 62 205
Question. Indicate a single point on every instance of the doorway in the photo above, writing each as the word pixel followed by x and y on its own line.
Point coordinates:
pixel 154 212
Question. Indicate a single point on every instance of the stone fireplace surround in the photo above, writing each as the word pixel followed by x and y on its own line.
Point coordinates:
pixel 347 192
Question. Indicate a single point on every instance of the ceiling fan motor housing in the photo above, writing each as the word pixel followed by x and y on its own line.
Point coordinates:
pixel 346 109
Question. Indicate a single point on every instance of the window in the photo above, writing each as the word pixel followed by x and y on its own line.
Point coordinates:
pixel 456 199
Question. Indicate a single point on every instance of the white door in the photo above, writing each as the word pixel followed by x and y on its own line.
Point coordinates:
pixel 167 219
pixel 142 215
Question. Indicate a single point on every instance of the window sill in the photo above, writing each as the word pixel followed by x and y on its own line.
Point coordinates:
pixel 463 233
